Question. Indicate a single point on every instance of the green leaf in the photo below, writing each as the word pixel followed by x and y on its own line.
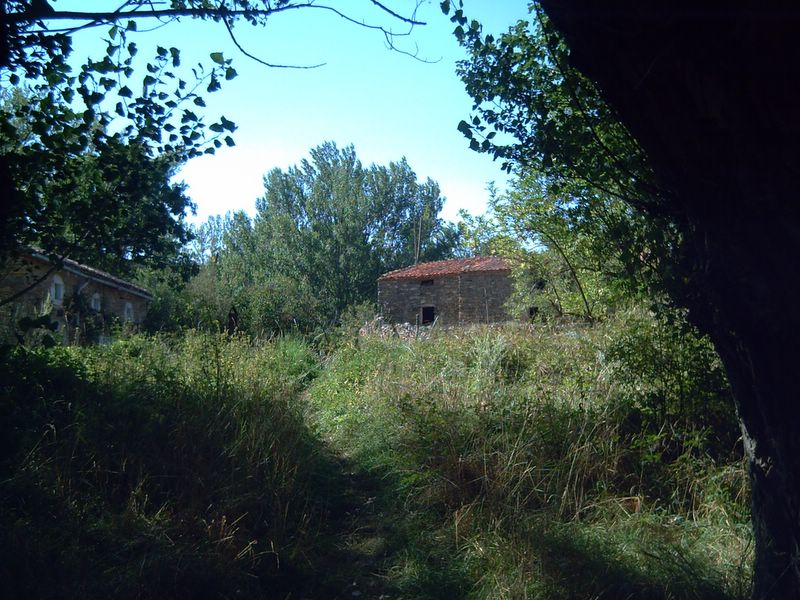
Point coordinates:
pixel 176 57
pixel 198 101
pixel 131 26
pixel 229 141
pixel 217 58
pixel 112 33
pixel 230 73
pixel 13 79
pixel 445 4
pixel 465 128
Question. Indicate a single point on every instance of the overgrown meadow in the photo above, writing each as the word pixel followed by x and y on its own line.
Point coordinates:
pixel 553 461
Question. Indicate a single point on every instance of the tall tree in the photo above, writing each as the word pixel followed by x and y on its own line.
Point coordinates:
pixel 336 226
pixel 687 111
pixel 92 110
pixel 312 222
pixel 405 226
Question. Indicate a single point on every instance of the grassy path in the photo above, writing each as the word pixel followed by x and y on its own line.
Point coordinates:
pixel 359 537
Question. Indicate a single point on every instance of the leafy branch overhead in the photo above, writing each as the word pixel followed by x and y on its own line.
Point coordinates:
pixel 549 124
pixel 72 112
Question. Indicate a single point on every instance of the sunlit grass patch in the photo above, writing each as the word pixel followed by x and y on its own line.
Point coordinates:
pixel 542 465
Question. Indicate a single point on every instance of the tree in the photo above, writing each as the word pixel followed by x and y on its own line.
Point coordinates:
pixel 109 204
pixel 587 251
pixel 333 226
pixel 405 226
pixel 91 115
pixel 324 231
pixel 687 112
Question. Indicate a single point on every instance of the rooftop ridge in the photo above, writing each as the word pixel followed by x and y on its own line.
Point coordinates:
pixel 453 266
pixel 89 271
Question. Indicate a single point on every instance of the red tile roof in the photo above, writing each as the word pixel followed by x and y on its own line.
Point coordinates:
pixel 440 268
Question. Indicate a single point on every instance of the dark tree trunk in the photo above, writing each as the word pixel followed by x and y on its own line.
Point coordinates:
pixel 711 90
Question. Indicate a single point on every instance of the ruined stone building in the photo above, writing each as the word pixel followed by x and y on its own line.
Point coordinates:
pixel 83 301
pixel 450 292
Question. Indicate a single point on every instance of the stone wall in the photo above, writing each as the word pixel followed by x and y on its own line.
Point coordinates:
pixel 477 297
pixel 483 296
pixel 402 300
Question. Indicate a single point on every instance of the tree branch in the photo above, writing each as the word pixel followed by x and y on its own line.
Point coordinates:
pixel 201 13
pixel 58 264
pixel 258 60
pixel 650 187
pixel 29 287
pixel 221 12
pixel 572 270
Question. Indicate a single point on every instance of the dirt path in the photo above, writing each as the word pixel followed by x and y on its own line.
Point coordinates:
pixel 359 538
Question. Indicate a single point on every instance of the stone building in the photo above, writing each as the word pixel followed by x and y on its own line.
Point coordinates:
pixel 450 292
pixel 84 302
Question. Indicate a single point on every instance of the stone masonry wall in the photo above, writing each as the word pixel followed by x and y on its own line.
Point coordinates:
pixel 402 300
pixel 477 297
pixel 483 296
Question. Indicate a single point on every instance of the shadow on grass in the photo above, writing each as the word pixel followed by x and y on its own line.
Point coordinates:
pixel 137 487
pixel 373 547
pixel 142 489
pixel 577 562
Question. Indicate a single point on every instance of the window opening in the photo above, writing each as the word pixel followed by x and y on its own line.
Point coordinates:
pixel 426 282
pixel 96 302
pixel 128 314
pixel 428 315
pixel 57 290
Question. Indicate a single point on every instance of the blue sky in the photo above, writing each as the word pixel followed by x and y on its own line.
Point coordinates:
pixel 386 104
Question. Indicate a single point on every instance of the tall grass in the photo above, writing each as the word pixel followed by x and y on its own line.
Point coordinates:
pixel 156 469
pixel 553 462
pixel 546 463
